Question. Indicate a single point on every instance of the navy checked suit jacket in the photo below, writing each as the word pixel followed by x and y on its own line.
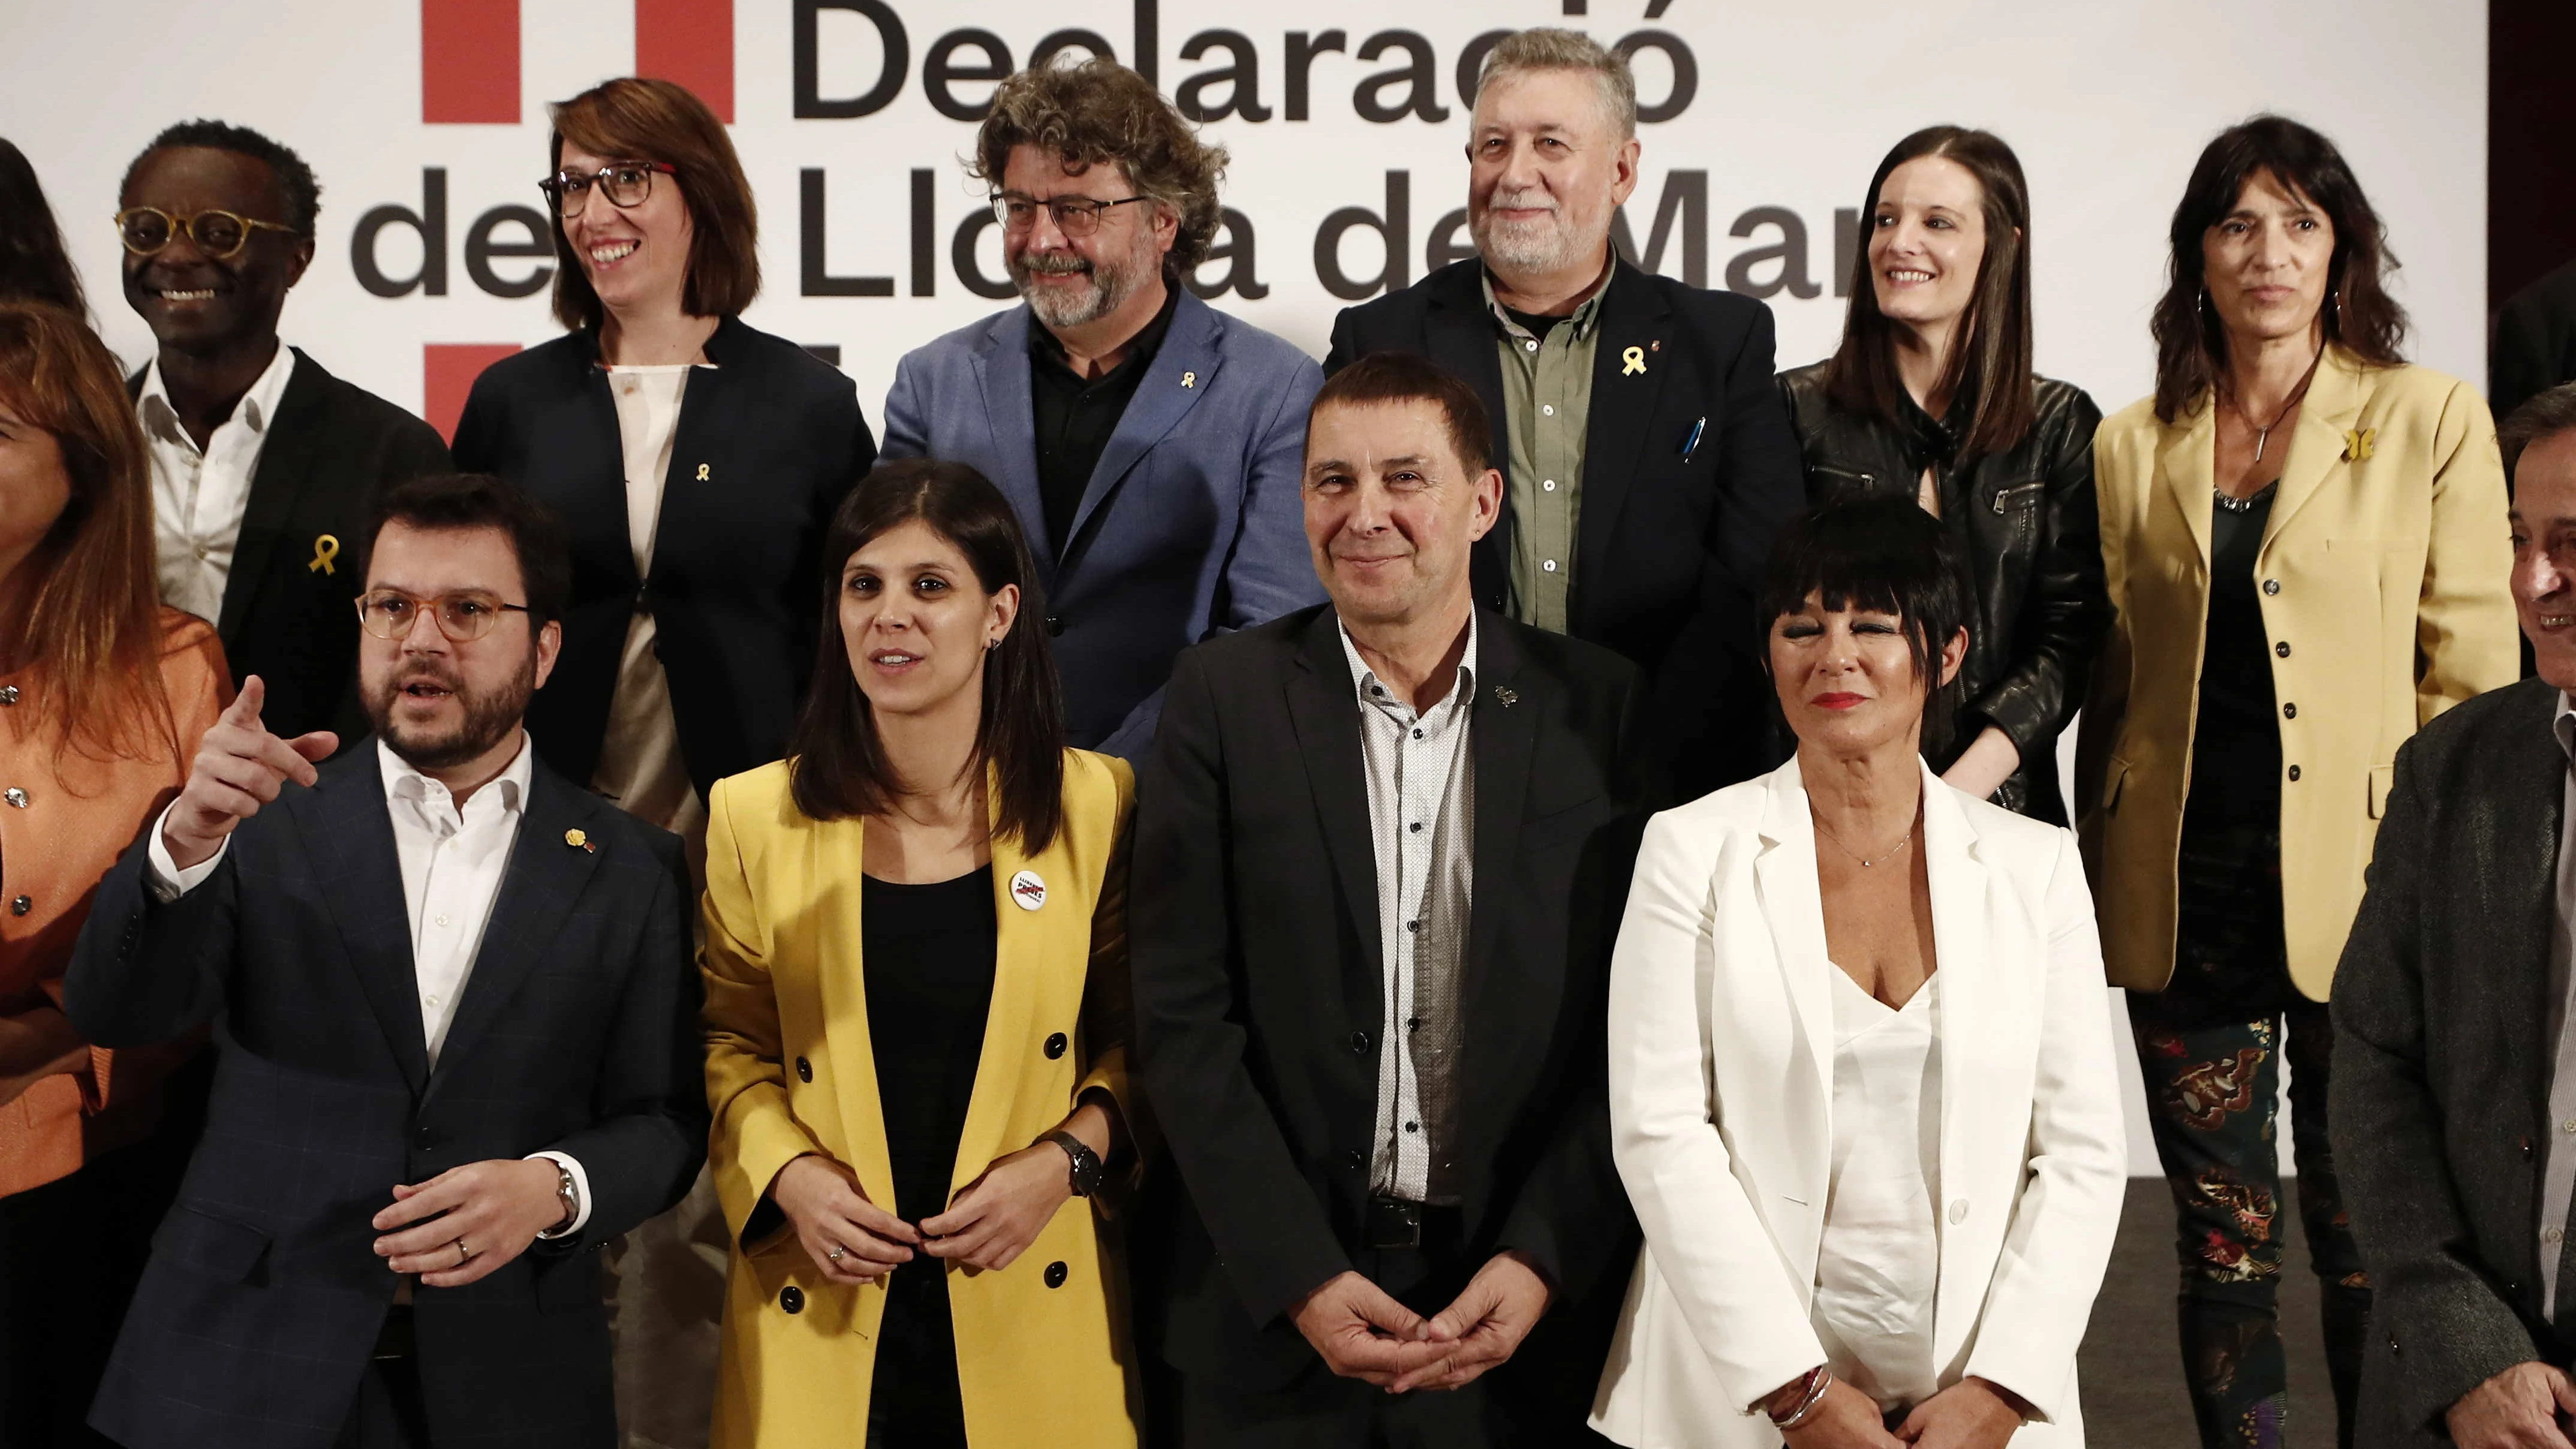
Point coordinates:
pixel 576 1032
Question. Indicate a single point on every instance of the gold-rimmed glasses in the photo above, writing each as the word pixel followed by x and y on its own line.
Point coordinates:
pixel 221 235
pixel 463 616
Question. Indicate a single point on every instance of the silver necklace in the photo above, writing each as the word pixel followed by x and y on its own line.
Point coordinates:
pixel 2263 431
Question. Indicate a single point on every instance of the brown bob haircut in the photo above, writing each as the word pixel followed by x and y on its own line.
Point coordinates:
pixel 1989 367
pixel 837 766
pixel 1101 111
pixel 91 625
pixel 2360 316
pixel 1399 377
pixel 635 119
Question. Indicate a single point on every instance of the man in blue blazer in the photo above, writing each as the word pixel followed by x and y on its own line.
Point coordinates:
pixel 1150 443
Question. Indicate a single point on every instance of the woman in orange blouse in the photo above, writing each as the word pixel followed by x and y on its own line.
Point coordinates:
pixel 103 694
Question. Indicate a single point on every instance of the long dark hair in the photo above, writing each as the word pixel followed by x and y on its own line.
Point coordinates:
pixel 1885 553
pixel 33 265
pixel 2191 342
pixel 1990 352
pixel 836 765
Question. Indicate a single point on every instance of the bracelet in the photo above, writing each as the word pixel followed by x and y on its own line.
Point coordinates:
pixel 1811 1397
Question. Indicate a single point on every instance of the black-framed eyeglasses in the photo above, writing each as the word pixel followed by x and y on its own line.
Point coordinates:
pixel 221 235
pixel 1074 215
pixel 624 183
pixel 463 616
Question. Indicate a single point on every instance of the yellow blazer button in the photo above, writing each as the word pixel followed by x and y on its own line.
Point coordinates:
pixel 1056 1273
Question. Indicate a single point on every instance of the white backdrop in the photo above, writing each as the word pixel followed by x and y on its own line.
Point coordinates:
pixel 2107 103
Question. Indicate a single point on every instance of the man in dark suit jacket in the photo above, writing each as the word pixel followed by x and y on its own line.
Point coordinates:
pixel 455 1019
pixel 264 465
pixel 2454 1096
pixel 2534 348
pixel 1647 455
pixel 1378 866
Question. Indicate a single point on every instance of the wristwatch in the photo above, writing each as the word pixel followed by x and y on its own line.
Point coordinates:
pixel 569 1196
pixel 1083 1171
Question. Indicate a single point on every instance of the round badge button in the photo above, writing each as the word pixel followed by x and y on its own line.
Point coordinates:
pixel 1027 891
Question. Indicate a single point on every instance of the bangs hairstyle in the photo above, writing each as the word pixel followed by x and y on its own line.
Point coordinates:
pixel 90 628
pixel 2546 415
pixel 2191 341
pixel 33 265
pixel 837 767
pixel 1400 377
pixel 634 119
pixel 454 502
pixel 1100 111
pixel 1887 555
pixel 1990 366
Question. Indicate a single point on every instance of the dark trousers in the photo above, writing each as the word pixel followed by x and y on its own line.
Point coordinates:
pixel 1511 1405
pixel 390 1412
pixel 2211 1046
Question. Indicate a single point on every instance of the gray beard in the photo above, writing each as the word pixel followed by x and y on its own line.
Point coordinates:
pixel 1527 249
pixel 1109 290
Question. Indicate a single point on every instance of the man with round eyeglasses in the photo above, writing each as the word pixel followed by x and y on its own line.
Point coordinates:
pixel 1149 443
pixel 263 464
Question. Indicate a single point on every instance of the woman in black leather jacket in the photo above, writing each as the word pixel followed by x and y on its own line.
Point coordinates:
pixel 1932 395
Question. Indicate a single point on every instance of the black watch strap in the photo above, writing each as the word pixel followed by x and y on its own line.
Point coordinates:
pixel 1083 1170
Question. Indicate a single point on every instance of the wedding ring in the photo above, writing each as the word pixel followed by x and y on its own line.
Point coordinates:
pixel 464 1254
pixel 837 1254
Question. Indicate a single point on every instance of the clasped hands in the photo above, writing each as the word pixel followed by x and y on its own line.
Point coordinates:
pixel 1970 1414
pixel 1364 1334
pixel 988 1226
pixel 465 1223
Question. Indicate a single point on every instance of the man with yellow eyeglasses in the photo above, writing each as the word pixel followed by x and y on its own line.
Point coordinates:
pixel 263 464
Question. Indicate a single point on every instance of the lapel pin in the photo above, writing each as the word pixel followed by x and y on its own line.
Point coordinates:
pixel 702 472
pixel 1027 891
pixel 579 841
pixel 1509 697
pixel 325 549
pixel 2357 444
pixel 1634 360
pixel 1655 346
pixel 1189 379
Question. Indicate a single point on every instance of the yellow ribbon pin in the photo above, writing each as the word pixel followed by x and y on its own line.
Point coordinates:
pixel 1635 360
pixel 702 472
pixel 1189 379
pixel 325 549
pixel 2357 444
pixel 579 841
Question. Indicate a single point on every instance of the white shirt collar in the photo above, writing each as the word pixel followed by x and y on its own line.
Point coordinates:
pixel 404 783
pixel 1364 679
pixel 257 410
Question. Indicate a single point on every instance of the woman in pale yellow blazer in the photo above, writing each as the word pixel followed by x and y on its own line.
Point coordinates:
pixel 916 1016
pixel 2305 541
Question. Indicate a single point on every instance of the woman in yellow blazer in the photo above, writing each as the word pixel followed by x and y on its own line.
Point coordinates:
pixel 916 1016
pixel 2305 541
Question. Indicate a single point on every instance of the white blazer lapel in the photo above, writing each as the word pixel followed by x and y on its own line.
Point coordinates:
pixel 1962 944
pixel 1784 877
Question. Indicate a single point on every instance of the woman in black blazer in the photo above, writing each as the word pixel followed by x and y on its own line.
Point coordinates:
pixel 696 464
pixel 695 461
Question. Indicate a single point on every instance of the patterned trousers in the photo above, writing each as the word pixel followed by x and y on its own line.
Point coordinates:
pixel 2211 1046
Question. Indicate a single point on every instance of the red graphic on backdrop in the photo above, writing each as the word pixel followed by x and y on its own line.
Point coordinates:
pixel 469 56
pixel 448 370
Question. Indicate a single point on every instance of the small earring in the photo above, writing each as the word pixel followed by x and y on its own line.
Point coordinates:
pixel 992 644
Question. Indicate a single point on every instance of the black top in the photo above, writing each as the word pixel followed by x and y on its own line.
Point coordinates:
pixel 2027 518
pixel 1075 415
pixel 1533 323
pixel 2235 744
pixel 929 951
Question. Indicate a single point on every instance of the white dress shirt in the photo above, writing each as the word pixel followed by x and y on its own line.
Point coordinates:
pixel 2558 1162
pixel 453 862
pixel 1422 821
pixel 198 498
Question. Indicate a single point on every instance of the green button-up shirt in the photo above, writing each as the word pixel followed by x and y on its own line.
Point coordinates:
pixel 1547 402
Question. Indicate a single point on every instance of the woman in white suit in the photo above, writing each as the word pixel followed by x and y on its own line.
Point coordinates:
pixel 1861 1078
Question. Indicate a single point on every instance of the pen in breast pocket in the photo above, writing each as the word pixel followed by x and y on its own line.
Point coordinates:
pixel 1691 443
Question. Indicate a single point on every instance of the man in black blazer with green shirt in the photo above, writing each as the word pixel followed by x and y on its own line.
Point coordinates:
pixel 1647 458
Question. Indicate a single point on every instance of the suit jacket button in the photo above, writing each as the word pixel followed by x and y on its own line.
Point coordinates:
pixel 1055 1046
pixel 1958 1211
pixel 2392 1343
pixel 1359 1043
pixel 804 1070
pixel 2282 648
pixel 792 1298
pixel 1353 1160
pixel 2294 774
pixel 427 1138
pixel 1055 1275
pixel 2526 1149
pixel 1055 623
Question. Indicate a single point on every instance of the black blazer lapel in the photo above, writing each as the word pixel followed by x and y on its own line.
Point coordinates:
pixel 287 457
pixel 1458 333
pixel 354 858
pixel 1505 741
pixel 2519 888
pixel 1632 355
pixel 594 504
pixel 544 879
pixel 1323 711
pixel 696 485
